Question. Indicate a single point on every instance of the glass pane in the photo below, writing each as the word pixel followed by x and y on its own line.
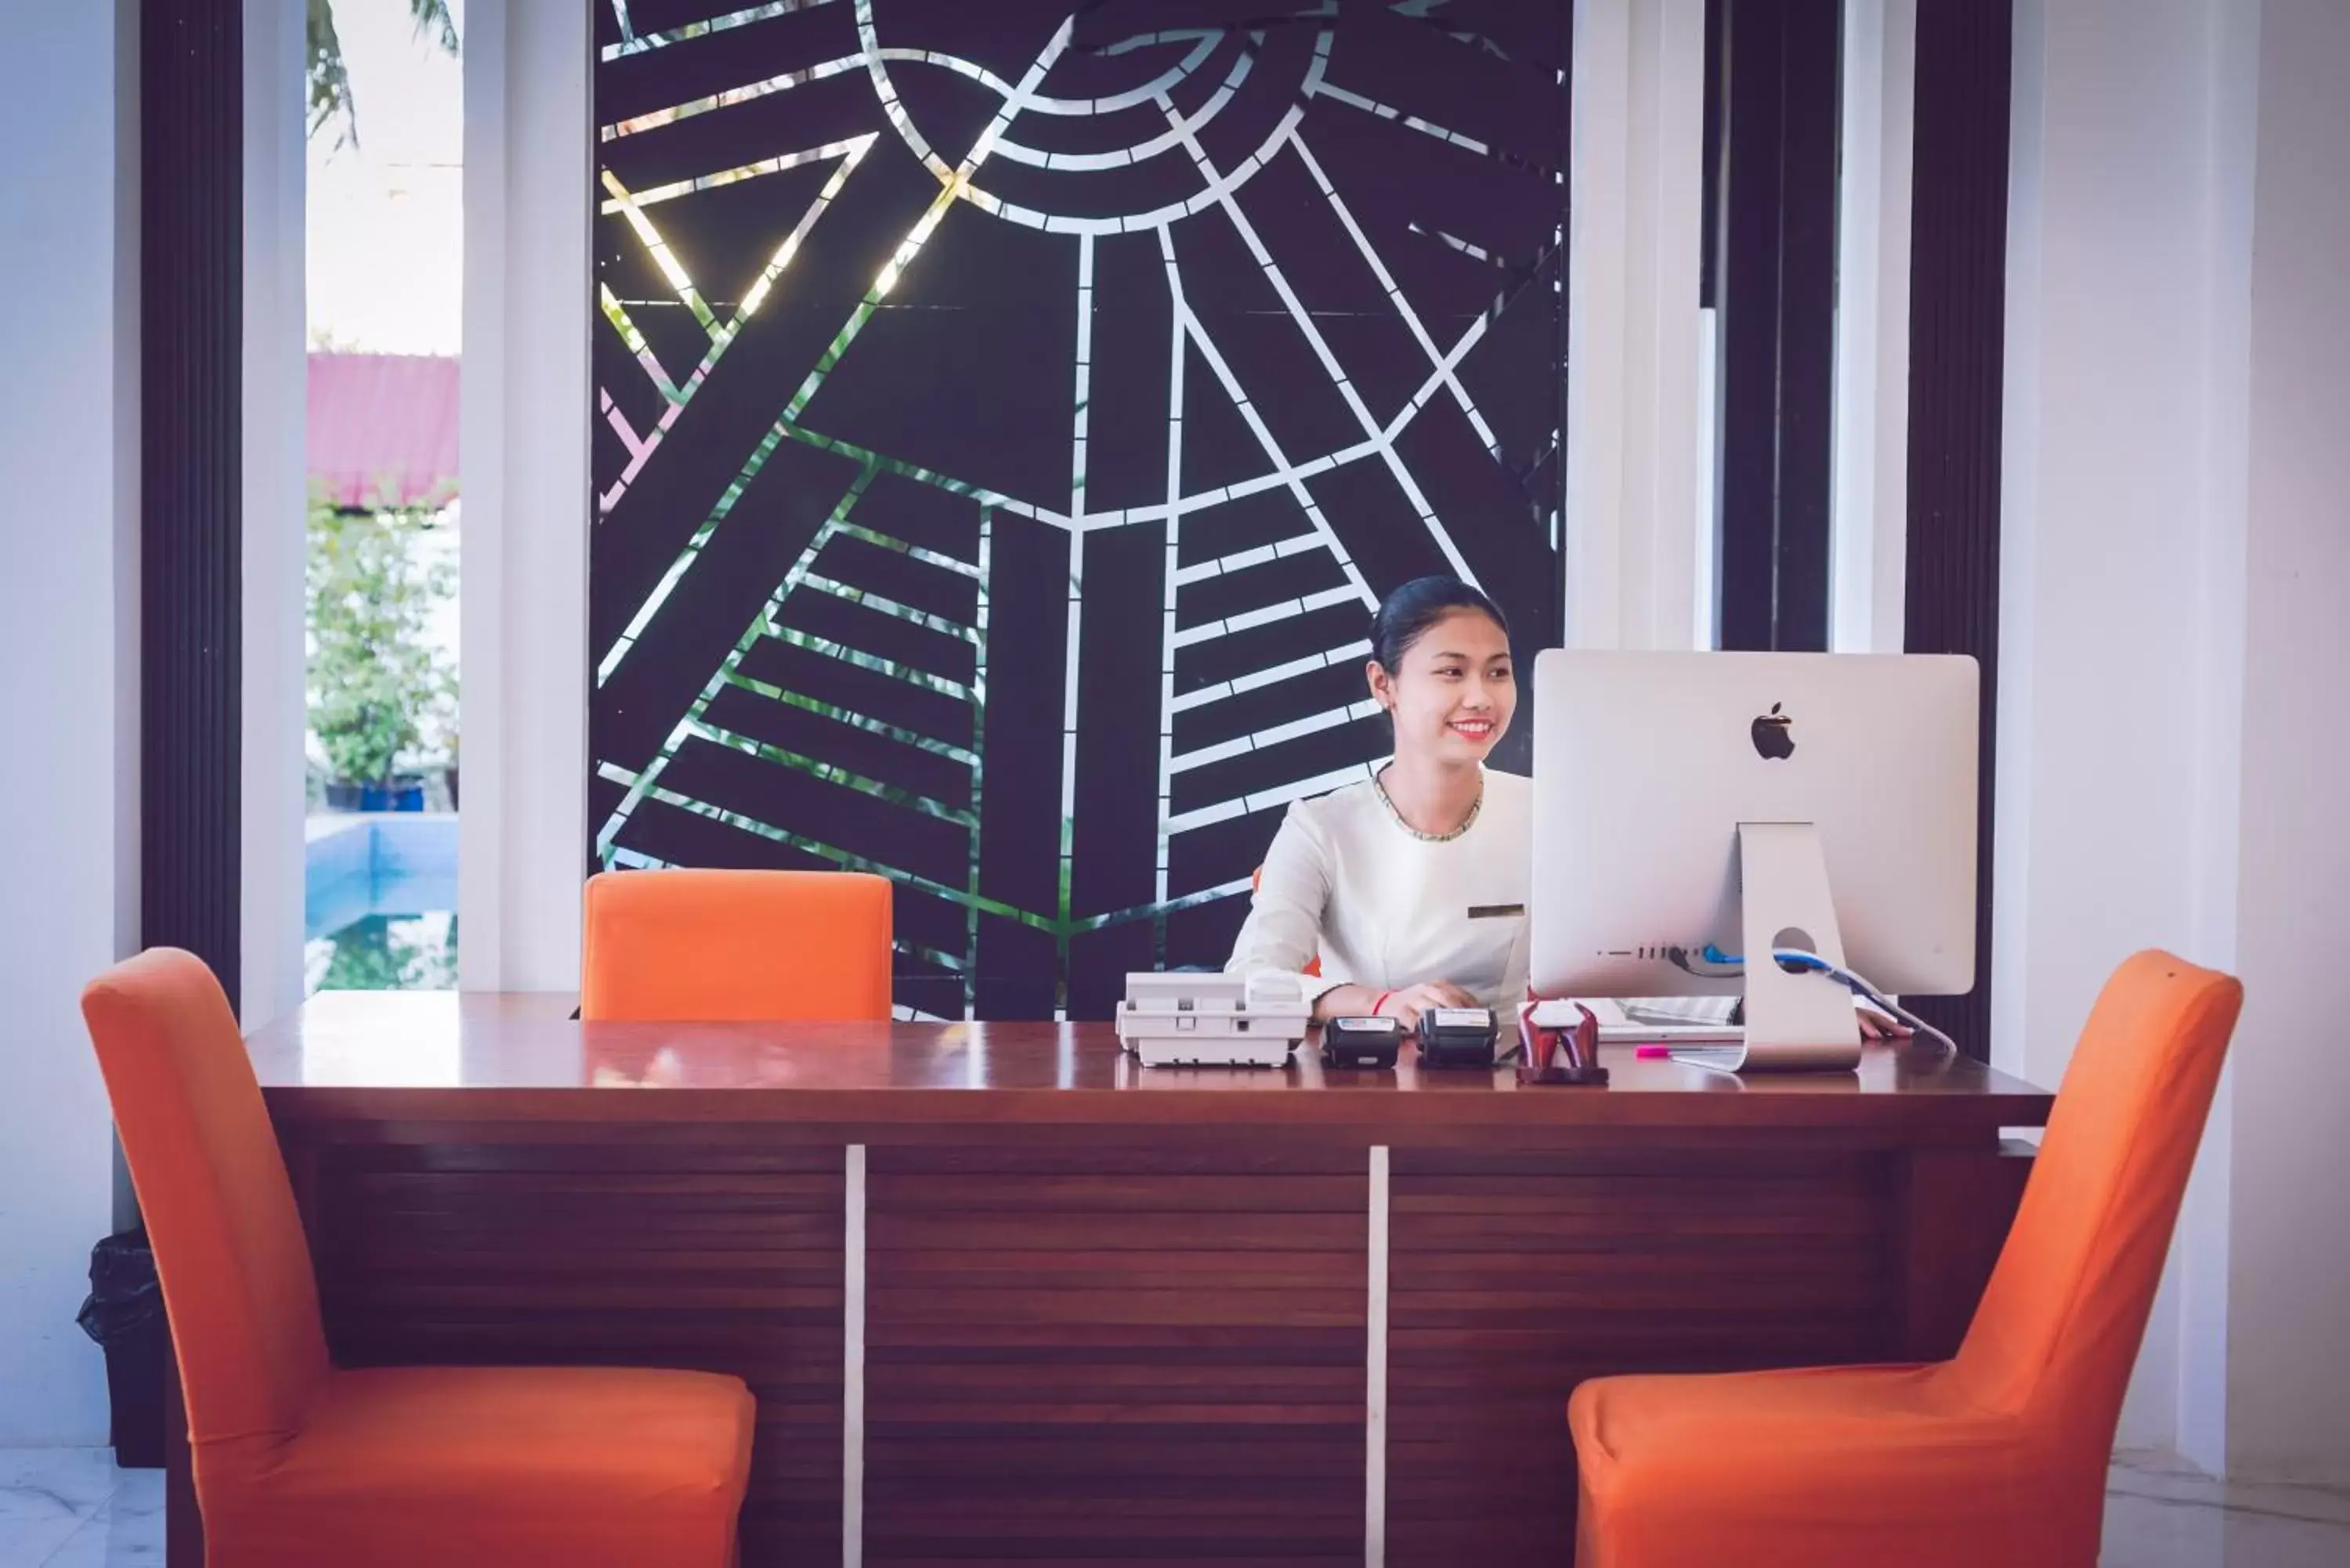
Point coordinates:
pixel 385 273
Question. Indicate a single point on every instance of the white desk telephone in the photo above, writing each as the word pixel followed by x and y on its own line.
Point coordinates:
pixel 1206 1020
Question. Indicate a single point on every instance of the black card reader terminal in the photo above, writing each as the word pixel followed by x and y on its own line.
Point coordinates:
pixel 1368 1041
pixel 1458 1037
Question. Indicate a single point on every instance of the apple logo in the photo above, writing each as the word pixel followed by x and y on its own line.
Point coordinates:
pixel 1772 742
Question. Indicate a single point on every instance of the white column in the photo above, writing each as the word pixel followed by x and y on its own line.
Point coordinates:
pixel 2199 1265
pixel 1868 520
pixel 69 620
pixel 1632 349
pixel 2288 1404
pixel 522 552
pixel 276 410
pixel 852 1369
pixel 2122 511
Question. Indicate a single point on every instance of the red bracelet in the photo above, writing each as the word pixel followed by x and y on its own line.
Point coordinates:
pixel 1382 1002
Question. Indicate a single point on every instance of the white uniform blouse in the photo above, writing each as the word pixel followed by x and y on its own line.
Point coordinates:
pixel 1346 882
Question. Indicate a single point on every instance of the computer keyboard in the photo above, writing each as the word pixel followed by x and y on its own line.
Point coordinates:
pixel 1661 1020
pixel 1707 1010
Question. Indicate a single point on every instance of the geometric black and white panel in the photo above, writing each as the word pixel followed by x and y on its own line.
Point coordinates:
pixel 1007 415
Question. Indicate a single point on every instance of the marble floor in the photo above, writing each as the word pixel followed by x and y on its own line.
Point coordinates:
pixel 70 1508
pixel 2163 1513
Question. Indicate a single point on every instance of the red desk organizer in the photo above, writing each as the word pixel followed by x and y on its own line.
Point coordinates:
pixel 1560 1057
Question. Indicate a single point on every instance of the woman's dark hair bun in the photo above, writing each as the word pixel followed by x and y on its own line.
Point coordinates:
pixel 1404 617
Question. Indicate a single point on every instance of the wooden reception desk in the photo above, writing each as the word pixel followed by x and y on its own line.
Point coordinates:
pixel 1004 1297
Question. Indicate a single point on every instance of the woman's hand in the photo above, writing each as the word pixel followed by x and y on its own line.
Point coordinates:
pixel 1411 1001
pixel 1876 1026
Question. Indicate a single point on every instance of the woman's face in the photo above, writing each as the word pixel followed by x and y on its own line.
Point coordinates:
pixel 1453 697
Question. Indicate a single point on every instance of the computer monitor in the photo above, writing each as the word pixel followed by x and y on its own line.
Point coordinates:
pixel 1838 789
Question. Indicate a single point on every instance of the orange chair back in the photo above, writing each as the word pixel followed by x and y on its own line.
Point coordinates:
pixel 2060 1324
pixel 716 946
pixel 229 1247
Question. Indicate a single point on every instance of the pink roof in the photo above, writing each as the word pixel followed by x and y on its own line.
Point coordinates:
pixel 383 428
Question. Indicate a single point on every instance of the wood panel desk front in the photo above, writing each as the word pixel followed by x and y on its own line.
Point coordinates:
pixel 1004 1297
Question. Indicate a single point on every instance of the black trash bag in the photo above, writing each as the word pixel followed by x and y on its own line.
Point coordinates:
pixel 124 1313
pixel 123 1292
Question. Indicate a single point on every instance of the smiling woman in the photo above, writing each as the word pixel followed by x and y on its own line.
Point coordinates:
pixel 1411 886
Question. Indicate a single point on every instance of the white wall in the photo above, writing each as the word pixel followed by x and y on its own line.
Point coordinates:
pixel 2288 1379
pixel 2116 527
pixel 2176 548
pixel 523 433
pixel 2198 1290
pixel 70 568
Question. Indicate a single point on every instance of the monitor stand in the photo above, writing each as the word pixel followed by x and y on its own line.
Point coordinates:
pixel 1801 1020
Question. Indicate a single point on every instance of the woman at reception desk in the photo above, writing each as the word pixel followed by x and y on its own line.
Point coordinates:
pixel 1409 887
pixel 1408 890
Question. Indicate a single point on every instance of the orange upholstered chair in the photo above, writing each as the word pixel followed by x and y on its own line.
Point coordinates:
pixel 724 945
pixel 299 1464
pixel 1997 1457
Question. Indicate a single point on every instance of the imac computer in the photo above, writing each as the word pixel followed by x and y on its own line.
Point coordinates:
pixel 1696 811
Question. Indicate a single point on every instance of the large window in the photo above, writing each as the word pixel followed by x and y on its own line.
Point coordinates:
pixel 384 247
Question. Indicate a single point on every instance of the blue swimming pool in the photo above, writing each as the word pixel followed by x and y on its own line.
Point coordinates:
pixel 379 901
